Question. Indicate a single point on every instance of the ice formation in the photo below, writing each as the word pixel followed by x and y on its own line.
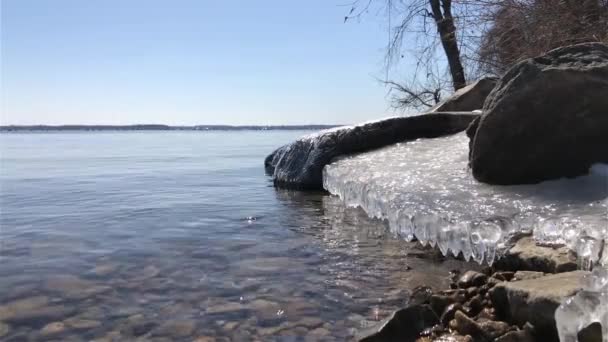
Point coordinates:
pixel 588 306
pixel 425 190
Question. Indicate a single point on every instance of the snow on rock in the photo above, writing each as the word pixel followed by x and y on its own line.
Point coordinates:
pixel 425 190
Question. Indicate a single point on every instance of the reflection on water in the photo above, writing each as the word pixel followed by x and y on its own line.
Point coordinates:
pixel 153 238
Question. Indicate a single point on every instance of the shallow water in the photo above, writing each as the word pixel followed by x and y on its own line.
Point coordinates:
pixel 180 235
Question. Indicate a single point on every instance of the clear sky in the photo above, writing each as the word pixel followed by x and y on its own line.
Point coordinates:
pixel 189 62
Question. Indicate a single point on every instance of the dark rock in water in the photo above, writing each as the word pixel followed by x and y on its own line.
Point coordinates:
pixel 525 255
pixel 472 278
pixel 546 118
pixel 535 300
pixel 300 165
pixel 449 312
pixel 524 335
pixel 591 333
pixel 468 98
pixel 404 325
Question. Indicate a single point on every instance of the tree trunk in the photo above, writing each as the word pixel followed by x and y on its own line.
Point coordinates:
pixel 447 34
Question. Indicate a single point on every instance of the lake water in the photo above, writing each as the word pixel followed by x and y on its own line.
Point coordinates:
pixel 170 236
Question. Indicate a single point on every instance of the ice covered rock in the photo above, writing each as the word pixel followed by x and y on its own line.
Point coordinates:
pixel 300 165
pixel 424 189
pixel 588 306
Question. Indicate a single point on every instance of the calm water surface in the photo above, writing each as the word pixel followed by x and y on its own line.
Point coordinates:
pixel 179 235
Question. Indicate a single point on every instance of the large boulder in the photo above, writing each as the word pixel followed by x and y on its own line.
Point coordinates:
pixel 546 118
pixel 300 165
pixel 535 300
pixel 469 98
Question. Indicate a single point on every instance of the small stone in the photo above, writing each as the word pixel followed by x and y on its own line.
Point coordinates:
pixel 72 287
pixel 178 329
pixel 32 308
pixel 527 275
pixel 319 332
pixel 52 329
pixel 4 329
pixel 449 312
pixel 148 272
pixel 205 339
pixel 493 281
pixel 472 278
pixel 104 270
pixel 524 335
pixel 453 338
pixel 472 291
pixel 440 302
pixel 225 308
pixel 229 326
pixel 506 275
pixel 310 322
pixel 486 314
pixel 494 329
pixel 475 305
pixel 466 326
pixel 78 324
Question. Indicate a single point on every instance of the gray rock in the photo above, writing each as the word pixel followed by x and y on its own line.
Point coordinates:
pixel 299 165
pixel 472 278
pixel 546 118
pixel 404 325
pixel 468 98
pixel 535 300
pixel 526 255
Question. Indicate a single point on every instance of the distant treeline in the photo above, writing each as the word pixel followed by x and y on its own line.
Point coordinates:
pixel 15 128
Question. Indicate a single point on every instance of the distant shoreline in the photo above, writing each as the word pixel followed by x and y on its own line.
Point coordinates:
pixel 152 127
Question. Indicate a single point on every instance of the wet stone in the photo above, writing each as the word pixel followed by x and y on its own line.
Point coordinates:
pixel 494 329
pixel 73 287
pixel 420 295
pixel 54 328
pixel 177 329
pixel 449 312
pixel 33 309
pixel 453 338
pixel 527 275
pixel 524 335
pixel 440 302
pixel 76 323
pixel 4 329
pixel 472 278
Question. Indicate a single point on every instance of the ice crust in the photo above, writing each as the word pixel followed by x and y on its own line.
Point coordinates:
pixel 425 190
pixel 590 305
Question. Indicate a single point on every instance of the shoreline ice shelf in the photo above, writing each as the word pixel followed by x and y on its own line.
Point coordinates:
pixel 424 189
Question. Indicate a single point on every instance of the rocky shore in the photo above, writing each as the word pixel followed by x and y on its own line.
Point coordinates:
pixel 545 119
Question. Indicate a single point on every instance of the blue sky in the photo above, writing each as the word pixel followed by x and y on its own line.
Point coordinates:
pixel 189 62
